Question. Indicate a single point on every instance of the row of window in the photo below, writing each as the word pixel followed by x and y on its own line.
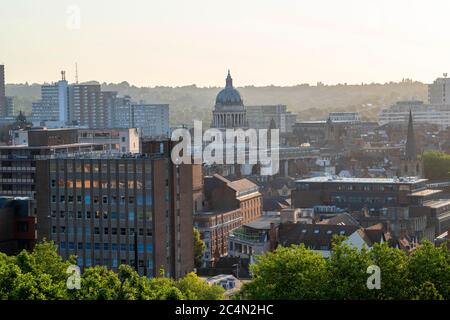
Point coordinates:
pixel 114 262
pixel 104 214
pixel 106 246
pixel 114 231
pixel 105 199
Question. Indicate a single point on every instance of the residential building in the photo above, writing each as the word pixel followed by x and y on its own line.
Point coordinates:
pixel 89 106
pixel 152 120
pixel 122 115
pixel 17 225
pixel 438 91
pixel 319 237
pixel 53 107
pixel 3 103
pixel 119 209
pixel 10 112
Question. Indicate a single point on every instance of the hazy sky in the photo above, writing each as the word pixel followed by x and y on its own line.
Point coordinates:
pixel 180 42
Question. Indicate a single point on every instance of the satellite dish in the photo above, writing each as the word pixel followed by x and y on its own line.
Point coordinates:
pixel 445 75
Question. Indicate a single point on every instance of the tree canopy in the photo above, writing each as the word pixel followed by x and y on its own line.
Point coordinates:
pixel 42 275
pixel 299 273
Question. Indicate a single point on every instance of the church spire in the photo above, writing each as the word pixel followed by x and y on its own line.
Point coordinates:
pixel 410 150
pixel 229 81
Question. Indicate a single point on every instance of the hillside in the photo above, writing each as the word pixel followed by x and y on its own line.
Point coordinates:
pixel 309 102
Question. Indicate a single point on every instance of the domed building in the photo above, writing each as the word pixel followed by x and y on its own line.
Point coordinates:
pixel 229 110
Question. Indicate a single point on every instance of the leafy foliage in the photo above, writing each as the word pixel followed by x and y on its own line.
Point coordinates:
pixel 436 165
pixel 41 275
pixel 199 249
pixel 298 273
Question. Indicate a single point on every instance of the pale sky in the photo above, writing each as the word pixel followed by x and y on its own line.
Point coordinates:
pixel 263 42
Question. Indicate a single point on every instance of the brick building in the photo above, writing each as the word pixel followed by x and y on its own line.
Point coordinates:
pixel 17 225
pixel 227 206
pixel 111 210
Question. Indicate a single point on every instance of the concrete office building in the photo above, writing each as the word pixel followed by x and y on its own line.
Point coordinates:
pixel 122 117
pixel 111 210
pixel 10 106
pixel 152 120
pixel 89 106
pixel 53 107
pixel 357 193
pixel 18 162
pixel 439 90
pixel 259 117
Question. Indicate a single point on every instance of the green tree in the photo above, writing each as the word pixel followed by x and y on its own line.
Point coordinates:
pixel 436 165
pixel 427 291
pixel 393 264
pixel 194 288
pixel 287 273
pixel 98 283
pixel 199 249
pixel 132 286
pixel 429 263
pixel 347 268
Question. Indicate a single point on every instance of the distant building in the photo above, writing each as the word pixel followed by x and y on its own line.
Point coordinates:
pixel 319 237
pixel 152 120
pixel 259 117
pixel 17 225
pixel 3 103
pixel 438 114
pixel 357 193
pixel 348 117
pixel 115 140
pixel 229 110
pixel 438 91
pixel 10 106
pixel 53 107
pixel 122 115
pixel 89 106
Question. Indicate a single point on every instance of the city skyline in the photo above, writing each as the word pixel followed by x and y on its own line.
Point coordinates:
pixel 175 43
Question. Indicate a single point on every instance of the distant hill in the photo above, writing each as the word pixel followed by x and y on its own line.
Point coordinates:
pixel 309 102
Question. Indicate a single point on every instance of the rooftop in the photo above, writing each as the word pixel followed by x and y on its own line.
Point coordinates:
pixel 438 203
pixel 263 223
pixel 337 179
pixel 424 193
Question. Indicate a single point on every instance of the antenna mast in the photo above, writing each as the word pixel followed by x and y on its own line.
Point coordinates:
pixel 76 73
